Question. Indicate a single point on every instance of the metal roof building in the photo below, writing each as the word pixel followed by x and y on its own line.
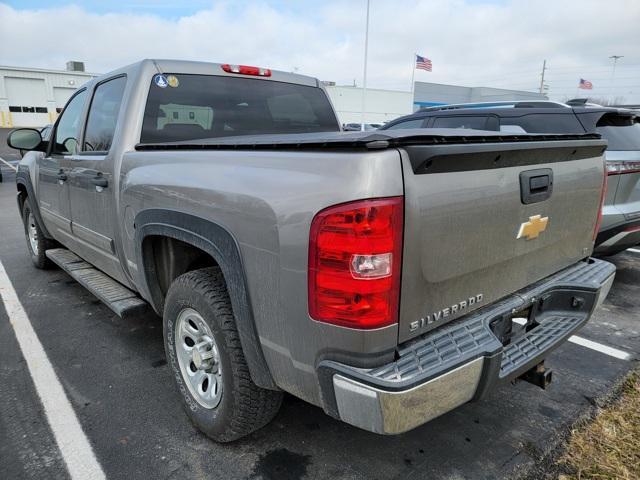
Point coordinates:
pixel 33 97
pixel 434 94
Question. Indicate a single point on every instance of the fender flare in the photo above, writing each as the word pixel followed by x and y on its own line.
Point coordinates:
pixel 223 248
pixel 22 178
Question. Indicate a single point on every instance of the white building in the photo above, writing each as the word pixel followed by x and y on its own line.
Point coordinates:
pixel 385 105
pixel 435 94
pixel 380 105
pixel 33 97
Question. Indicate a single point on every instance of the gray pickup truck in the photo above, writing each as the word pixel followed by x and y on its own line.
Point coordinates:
pixel 374 274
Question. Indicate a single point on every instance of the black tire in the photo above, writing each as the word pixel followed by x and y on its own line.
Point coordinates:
pixel 244 407
pixel 38 256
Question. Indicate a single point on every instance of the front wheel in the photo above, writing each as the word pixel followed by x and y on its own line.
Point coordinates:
pixel 207 362
pixel 36 241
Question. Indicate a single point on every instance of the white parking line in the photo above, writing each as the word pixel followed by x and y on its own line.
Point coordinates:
pixel 73 444
pixel 598 347
pixel 15 169
pixel 634 250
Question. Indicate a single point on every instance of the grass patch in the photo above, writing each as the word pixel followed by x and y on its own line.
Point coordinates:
pixel 608 446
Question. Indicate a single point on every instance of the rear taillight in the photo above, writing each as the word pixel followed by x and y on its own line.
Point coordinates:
pixel 620 168
pixel 246 70
pixel 355 252
pixel 603 194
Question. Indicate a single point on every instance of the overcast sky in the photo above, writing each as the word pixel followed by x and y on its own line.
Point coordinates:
pixel 495 43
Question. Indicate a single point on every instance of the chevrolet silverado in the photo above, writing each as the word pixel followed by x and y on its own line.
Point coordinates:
pixel 387 277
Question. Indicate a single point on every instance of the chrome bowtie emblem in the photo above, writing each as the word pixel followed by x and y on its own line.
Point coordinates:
pixel 533 228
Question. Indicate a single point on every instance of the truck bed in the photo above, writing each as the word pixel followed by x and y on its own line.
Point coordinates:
pixel 360 140
pixel 464 208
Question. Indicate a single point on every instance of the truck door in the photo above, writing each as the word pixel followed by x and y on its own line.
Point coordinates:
pixel 53 174
pixel 91 181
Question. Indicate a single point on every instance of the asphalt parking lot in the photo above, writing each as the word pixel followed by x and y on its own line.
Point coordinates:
pixel 115 376
pixel 7 154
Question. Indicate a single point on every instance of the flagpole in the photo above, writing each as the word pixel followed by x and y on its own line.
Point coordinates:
pixel 413 77
pixel 364 75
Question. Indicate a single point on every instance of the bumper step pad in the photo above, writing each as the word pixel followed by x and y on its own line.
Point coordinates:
pixel 536 342
pixel 113 294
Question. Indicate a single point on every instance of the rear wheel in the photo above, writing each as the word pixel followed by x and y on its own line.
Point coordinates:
pixel 207 362
pixel 36 241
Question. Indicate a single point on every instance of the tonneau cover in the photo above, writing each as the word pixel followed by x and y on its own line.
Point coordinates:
pixel 360 140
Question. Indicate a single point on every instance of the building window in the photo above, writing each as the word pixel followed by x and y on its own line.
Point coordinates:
pixel 41 109
pixel 29 109
pixel 13 108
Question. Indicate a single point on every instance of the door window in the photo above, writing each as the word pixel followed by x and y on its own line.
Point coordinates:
pixel 68 127
pixel 103 115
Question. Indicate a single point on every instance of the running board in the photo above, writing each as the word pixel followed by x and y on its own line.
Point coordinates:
pixel 113 294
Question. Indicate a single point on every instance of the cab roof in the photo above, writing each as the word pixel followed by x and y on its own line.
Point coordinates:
pixel 153 66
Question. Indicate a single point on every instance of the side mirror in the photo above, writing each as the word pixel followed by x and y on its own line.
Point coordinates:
pixel 26 139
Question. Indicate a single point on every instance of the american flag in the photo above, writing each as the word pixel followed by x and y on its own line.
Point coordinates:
pixel 423 63
pixel 585 84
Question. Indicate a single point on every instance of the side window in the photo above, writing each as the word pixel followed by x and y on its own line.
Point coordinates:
pixel 476 122
pixel 417 123
pixel 45 132
pixel 512 129
pixel 67 130
pixel 103 115
pixel 543 123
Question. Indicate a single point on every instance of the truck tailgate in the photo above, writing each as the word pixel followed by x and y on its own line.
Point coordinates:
pixel 480 222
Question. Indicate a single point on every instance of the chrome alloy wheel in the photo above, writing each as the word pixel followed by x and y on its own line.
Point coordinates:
pixel 32 233
pixel 198 358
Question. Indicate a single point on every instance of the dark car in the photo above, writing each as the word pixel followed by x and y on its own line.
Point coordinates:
pixel 620 228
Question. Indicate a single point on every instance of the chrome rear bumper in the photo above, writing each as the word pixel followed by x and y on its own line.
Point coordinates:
pixel 461 361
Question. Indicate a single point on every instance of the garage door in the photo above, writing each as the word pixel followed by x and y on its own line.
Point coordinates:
pixel 61 95
pixel 27 99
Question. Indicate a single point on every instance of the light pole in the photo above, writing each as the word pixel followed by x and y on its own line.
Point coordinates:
pixel 364 75
pixel 544 68
pixel 613 76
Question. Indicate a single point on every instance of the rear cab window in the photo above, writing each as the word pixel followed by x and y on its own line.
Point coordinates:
pixel 193 107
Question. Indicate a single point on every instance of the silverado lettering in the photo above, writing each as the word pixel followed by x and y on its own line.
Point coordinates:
pixel 456 308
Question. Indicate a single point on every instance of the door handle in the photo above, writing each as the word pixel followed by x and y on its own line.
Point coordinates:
pixel 62 176
pixel 536 185
pixel 539 184
pixel 99 181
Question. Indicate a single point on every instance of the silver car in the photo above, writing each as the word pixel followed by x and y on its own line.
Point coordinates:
pixel 620 228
